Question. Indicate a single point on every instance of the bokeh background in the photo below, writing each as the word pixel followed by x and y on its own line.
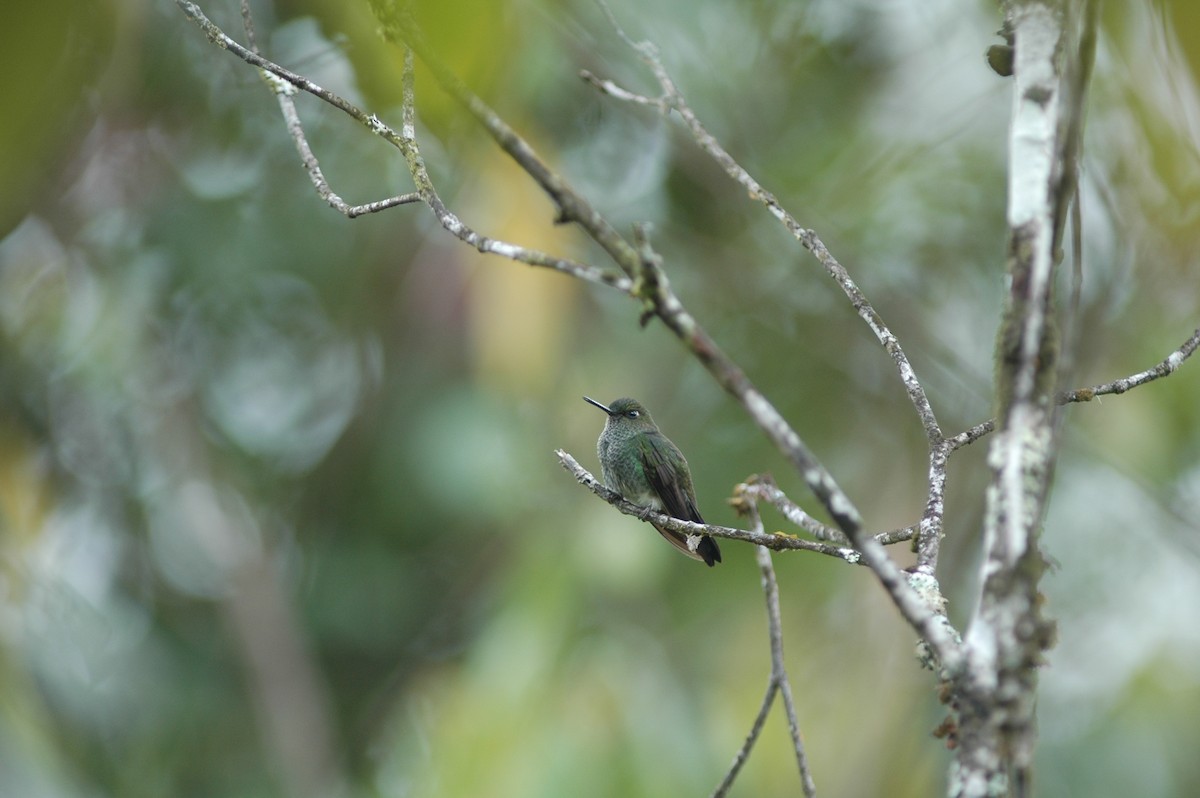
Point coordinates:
pixel 277 491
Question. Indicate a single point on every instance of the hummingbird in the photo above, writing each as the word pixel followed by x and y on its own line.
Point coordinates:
pixel 642 464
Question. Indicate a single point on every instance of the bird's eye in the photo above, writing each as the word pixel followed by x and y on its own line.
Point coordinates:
pixel 633 414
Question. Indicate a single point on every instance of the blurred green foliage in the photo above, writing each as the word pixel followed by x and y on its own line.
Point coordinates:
pixel 277 492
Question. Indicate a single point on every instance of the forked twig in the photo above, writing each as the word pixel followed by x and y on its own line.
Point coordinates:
pixel 412 155
pixel 284 92
pixel 778 682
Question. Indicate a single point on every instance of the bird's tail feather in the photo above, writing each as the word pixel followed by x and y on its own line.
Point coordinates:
pixel 705 550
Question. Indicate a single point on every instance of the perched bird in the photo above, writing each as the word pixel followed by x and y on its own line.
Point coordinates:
pixel 641 464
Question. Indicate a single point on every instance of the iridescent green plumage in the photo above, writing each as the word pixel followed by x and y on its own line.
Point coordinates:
pixel 642 464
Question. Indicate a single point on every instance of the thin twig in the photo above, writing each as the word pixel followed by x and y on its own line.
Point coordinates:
pixel 743 753
pixel 1078 74
pixel 1167 366
pixel 613 90
pixel 969 436
pixel 763 488
pixel 778 681
pixel 1079 77
pixel 311 165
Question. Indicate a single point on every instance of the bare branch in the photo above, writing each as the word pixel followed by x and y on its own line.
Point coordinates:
pixel 225 42
pixel 420 175
pixel 929 535
pixel 969 436
pixel 399 28
pixel 760 488
pixel 652 286
pixel 776 542
pixel 408 148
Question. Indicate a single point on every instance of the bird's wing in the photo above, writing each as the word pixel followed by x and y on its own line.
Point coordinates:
pixel 675 490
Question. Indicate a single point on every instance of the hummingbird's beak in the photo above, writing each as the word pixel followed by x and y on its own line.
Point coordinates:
pixel 592 401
